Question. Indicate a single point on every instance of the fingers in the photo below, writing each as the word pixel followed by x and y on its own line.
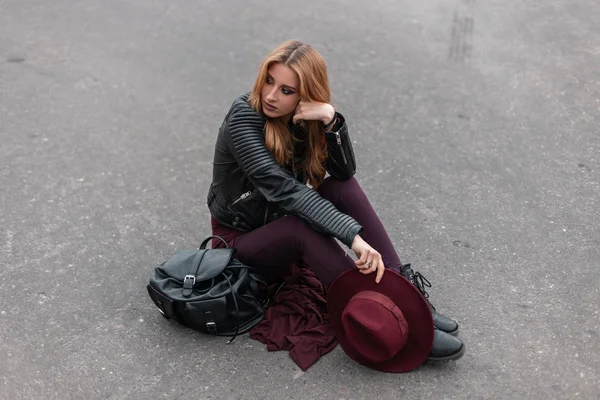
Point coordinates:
pixel 380 271
pixel 297 117
pixel 297 113
pixel 372 264
pixel 371 261
pixel 362 261
pixel 311 111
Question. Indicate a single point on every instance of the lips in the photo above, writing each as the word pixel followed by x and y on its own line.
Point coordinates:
pixel 269 107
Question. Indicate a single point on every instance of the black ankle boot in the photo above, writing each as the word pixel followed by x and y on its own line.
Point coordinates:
pixel 445 347
pixel 440 321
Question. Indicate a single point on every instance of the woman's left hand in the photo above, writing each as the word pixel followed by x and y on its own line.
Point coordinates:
pixel 369 259
pixel 313 111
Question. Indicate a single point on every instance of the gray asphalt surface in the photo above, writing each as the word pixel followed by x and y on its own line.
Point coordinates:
pixel 476 128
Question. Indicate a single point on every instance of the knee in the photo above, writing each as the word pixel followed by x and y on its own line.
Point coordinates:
pixel 331 187
pixel 331 183
pixel 341 192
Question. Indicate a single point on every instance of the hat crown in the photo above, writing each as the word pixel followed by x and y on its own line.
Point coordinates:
pixel 373 323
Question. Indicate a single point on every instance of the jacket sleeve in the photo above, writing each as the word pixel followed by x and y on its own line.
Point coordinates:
pixel 247 142
pixel 340 162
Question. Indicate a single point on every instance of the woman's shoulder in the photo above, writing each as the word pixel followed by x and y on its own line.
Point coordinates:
pixel 242 119
pixel 242 110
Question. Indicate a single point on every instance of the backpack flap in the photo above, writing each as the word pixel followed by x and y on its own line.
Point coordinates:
pixel 213 263
pixel 205 264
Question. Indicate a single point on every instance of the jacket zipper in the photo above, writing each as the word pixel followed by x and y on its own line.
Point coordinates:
pixel 266 213
pixel 339 142
pixel 294 155
pixel 242 197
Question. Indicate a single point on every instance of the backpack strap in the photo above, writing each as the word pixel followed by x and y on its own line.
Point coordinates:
pixel 237 309
pixel 204 243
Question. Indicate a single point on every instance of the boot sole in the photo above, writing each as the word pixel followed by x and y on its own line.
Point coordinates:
pixel 451 357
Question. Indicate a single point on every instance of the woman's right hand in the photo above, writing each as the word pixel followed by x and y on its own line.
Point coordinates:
pixel 369 259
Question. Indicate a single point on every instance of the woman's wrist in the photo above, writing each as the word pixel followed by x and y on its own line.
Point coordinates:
pixel 329 124
pixel 328 127
pixel 355 241
pixel 329 116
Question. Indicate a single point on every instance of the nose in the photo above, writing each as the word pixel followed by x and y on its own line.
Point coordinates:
pixel 271 95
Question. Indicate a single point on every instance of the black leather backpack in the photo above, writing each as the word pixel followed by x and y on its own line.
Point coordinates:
pixel 209 290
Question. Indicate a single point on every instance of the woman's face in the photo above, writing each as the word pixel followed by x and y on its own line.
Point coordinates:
pixel 279 94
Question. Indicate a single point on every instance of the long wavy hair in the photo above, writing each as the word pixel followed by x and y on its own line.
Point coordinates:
pixel 311 70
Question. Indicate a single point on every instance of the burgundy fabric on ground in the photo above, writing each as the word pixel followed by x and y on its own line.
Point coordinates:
pixel 297 320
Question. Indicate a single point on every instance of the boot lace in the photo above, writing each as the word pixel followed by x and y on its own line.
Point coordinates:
pixel 417 279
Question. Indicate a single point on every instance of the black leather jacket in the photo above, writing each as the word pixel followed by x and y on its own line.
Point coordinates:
pixel 250 189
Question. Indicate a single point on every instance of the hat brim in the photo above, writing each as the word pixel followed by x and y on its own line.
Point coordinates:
pixel 405 295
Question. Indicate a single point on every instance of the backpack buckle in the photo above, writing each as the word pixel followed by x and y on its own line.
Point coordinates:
pixel 189 278
pixel 188 283
pixel 211 325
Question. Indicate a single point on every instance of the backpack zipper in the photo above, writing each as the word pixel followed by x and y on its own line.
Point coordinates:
pixel 242 197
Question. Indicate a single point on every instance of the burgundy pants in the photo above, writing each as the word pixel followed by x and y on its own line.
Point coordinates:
pixel 275 246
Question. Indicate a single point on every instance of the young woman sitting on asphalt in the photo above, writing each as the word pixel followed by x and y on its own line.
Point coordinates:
pixel 270 199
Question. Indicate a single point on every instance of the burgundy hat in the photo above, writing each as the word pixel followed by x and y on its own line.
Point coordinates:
pixel 386 326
